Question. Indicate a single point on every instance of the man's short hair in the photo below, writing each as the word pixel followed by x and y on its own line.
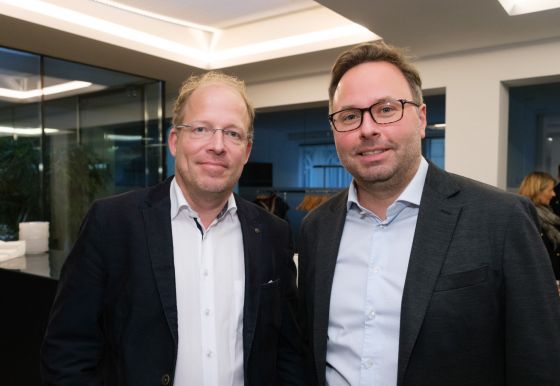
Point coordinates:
pixel 377 51
pixel 212 77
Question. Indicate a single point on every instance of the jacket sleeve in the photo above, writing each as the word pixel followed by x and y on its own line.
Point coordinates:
pixel 73 345
pixel 532 304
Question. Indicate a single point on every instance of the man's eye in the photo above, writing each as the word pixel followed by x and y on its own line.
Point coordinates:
pixel 349 116
pixel 386 109
pixel 200 130
pixel 233 134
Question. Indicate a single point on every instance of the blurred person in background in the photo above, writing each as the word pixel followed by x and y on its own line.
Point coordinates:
pixel 555 201
pixel 539 188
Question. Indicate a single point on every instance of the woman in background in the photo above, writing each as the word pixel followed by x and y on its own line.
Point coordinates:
pixel 539 187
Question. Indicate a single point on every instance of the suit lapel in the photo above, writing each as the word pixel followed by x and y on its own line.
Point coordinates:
pixel 437 218
pixel 251 229
pixel 157 221
pixel 330 233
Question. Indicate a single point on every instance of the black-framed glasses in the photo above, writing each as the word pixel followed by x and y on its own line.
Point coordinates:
pixel 199 132
pixel 382 112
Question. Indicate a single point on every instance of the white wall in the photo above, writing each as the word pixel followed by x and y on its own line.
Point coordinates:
pixel 476 100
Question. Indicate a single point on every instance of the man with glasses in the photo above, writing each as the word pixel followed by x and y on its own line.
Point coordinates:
pixel 414 276
pixel 183 283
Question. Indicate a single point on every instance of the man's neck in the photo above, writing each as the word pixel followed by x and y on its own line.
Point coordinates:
pixel 376 200
pixel 206 204
pixel 208 210
pixel 378 196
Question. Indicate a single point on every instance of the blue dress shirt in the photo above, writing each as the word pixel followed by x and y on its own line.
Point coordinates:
pixel 365 305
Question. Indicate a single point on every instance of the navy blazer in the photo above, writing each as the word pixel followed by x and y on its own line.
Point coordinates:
pixel 479 306
pixel 114 318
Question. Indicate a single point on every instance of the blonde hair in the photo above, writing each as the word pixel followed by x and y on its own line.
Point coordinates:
pixel 196 81
pixel 534 184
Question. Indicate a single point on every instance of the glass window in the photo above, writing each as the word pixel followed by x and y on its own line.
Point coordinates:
pixel 534 132
pixel 433 145
pixel 91 132
pixel 21 168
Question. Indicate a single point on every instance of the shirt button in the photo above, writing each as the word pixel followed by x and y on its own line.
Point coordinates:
pixel 205 272
pixel 376 269
pixel 165 380
pixel 207 312
pixel 209 354
pixel 371 315
pixel 367 364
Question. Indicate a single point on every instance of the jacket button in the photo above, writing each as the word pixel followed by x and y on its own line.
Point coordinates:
pixel 165 380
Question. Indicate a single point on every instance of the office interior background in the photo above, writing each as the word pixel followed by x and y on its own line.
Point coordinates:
pixel 87 87
pixel 491 82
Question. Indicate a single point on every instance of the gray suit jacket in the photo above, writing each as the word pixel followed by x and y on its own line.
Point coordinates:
pixel 479 305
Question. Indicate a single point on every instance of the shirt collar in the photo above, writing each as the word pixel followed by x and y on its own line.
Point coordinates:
pixel 410 195
pixel 178 203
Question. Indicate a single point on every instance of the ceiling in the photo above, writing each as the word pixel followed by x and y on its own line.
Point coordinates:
pixel 427 27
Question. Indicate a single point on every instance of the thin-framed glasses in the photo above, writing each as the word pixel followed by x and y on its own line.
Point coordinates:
pixel 200 132
pixel 382 112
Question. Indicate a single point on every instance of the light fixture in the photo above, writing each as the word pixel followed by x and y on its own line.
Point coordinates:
pixel 122 137
pixel 50 90
pixel 520 7
pixel 157 16
pixel 436 126
pixel 292 41
pixel 27 131
pixel 196 45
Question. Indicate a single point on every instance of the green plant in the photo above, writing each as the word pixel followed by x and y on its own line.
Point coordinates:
pixel 20 184
pixel 77 177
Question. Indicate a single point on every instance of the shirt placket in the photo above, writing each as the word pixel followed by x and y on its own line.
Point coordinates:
pixel 207 310
pixel 367 367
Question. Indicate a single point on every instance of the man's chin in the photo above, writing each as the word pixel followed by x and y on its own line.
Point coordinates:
pixel 214 187
pixel 379 174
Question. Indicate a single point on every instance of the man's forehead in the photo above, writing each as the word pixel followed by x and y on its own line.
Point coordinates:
pixel 378 80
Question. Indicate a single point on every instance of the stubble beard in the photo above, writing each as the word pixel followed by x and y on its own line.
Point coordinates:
pixel 388 177
pixel 206 185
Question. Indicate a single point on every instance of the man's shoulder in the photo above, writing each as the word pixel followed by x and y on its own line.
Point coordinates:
pixel 135 198
pixel 334 206
pixel 479 194
pixel 469 186
pixel 253 210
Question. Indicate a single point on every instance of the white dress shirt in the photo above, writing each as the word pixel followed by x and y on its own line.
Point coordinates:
pixel 365 304
pixel 210 286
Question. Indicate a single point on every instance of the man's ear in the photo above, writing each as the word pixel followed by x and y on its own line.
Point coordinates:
pixel 248 151
pixel 422 120
pixel 172 141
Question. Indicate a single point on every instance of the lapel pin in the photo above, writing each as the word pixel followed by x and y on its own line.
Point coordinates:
pixel 257 230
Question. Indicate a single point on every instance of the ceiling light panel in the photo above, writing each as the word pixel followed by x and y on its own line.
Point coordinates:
pixel 310 28
pixel 520 7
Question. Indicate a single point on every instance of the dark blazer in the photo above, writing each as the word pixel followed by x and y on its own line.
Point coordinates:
pixel 479 305
pixel 114 319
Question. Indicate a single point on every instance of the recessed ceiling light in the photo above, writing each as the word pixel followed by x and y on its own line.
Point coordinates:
pixel 50 90
pixel 520 7
pixel 196 45
pixel 157 16
pixel 26 131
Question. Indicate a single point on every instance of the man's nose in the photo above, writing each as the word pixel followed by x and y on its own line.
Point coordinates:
pixel 217 140
pixel 368 127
